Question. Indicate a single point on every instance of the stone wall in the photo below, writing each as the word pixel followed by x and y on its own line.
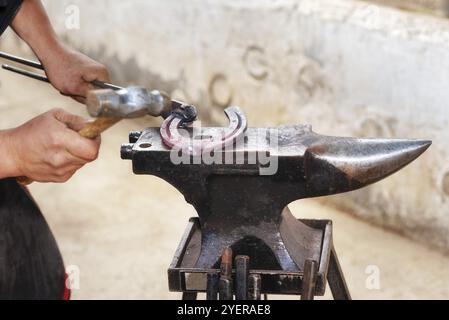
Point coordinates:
pixel 346 67
pixel 436 7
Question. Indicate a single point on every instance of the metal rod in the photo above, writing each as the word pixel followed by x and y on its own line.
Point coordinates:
pixel 213 280
pixel 38 65
pixel 23 61
pixel 105 85
pixel 254 287
pixel 336 279
pixel 309 280
pixel 225 284
pixel 225 288
pixel 26 73
pixel 190 296
pixel 226 263
pixel 242 277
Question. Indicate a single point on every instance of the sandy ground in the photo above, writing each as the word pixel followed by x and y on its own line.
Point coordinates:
pixel 121 230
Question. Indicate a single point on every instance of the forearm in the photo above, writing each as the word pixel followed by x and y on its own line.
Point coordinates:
pixel 8 166
pixel 33 26
pixel 69 71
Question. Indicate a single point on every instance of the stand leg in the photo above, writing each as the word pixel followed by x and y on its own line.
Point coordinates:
pixel 254 287
pixel 336 279
pixel 213 280
pixel 309 280
pixel 189 296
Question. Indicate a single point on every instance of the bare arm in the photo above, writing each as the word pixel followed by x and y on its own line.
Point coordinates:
pixel 33 26
pixel 7 166
pixel 48 148
pixel 69 71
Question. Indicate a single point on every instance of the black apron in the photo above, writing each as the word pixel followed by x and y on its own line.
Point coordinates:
pixel 31 265
pixel 8 9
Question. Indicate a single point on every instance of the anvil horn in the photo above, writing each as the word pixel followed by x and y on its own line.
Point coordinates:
pixel 335 165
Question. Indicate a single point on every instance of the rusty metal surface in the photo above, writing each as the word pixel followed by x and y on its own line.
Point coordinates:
pixel 309 280
pixel 184 276
pixel 242 267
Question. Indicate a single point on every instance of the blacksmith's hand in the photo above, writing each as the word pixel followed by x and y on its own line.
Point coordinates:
pixel 47 148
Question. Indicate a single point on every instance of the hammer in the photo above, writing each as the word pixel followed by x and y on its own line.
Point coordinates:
pixel 110 104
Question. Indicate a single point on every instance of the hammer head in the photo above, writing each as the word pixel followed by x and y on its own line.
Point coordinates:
pixel 128 103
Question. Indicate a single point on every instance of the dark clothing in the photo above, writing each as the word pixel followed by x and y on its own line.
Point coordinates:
pixel 31 265
pixel 8 10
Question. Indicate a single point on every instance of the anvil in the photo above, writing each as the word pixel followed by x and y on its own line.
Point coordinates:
pixel 242 202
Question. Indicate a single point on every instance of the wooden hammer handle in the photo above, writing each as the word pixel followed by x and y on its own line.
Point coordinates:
pixel 94 129
pixel 91 131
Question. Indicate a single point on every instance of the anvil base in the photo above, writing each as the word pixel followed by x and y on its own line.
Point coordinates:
pixel 186 278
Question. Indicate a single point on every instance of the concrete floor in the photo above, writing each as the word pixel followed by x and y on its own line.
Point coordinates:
pixel 122 230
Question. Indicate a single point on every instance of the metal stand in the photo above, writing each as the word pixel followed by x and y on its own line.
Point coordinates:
pixel 307 283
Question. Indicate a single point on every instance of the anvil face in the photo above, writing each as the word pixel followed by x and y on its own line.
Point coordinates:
pixel 242 199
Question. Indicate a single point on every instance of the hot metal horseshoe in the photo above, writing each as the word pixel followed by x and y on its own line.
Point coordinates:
pixel 175 137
